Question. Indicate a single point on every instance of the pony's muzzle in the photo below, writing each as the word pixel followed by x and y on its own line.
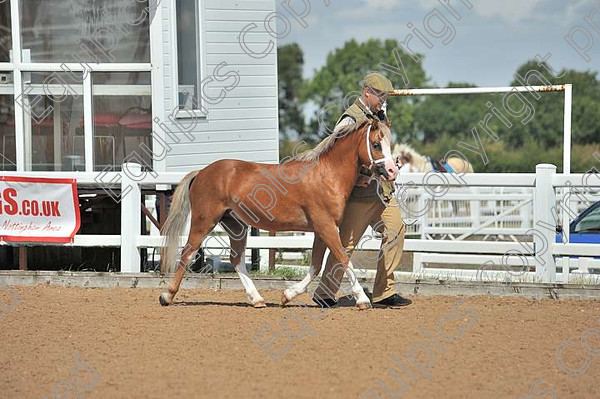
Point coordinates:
pixel 388 170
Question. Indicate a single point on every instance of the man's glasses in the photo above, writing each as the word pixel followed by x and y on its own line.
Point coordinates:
pixel 381 96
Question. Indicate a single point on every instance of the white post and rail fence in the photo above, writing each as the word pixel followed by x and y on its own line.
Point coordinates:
pixel 540 252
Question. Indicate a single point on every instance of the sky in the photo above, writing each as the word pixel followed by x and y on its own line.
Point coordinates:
pixel 492 39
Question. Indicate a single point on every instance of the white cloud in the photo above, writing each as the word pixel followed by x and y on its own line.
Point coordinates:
pixel 576 9
pixel 383 4
pixel 428 4
pixel 509 10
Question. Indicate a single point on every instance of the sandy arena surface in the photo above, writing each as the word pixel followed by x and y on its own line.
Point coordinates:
pixel 203 347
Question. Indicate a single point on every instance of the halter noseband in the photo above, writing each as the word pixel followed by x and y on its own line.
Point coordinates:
pixel 374 161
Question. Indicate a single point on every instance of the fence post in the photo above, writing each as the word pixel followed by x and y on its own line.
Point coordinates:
pixel 272 254
pixel 417 264
pixel 264 257
pixel 131 210
pixel 255 252
pixel 544 199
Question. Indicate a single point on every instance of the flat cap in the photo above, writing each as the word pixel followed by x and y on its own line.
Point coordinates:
pixel 376 81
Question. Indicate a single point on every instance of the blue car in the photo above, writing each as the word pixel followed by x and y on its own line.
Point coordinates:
pixel 585 229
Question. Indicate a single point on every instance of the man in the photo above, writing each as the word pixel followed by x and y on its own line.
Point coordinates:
pixel 365 208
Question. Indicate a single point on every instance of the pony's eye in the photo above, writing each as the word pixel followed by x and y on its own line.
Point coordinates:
pixel 377 145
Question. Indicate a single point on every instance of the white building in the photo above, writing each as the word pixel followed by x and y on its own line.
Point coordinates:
pixel 84 84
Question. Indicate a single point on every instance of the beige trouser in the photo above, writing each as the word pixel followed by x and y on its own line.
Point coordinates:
pixel 357 216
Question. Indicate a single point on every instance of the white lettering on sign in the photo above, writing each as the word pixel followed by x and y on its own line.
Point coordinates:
pixel 38 209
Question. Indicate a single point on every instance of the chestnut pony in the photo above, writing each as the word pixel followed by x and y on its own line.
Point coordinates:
pixel 307 193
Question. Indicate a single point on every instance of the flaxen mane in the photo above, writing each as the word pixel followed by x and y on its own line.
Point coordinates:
pixel 328 142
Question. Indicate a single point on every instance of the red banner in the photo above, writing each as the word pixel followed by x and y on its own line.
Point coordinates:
pixel 36 209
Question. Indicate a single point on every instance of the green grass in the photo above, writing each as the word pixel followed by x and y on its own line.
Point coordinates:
pixel 285 272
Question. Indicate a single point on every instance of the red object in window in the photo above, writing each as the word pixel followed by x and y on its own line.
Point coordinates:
pixel 104 120
pixel 137 121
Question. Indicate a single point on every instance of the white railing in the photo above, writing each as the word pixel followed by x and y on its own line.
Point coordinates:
pixel 467 211
pixel 543 183
pixel 476 211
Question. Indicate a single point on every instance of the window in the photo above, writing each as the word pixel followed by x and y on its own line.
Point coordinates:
pixel 590 222
pixel 5 37
pixel 84 31
pixel 54 104
pixel 188 55
pixel 65 115
pixel 122 119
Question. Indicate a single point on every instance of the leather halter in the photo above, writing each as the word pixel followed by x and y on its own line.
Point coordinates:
pixel 374 161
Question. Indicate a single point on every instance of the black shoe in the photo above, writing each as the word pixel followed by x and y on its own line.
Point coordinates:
pixel 324 302
pixel 393 301
pixel 368 293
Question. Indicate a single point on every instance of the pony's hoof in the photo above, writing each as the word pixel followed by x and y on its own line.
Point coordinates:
pixel 284 299
pixel 363 306
pixel 260 304
pixel 164 299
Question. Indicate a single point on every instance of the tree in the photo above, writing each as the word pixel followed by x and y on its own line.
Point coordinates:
pixel 341 76
pixel 290 61
pixel 450 115
pixel 546 127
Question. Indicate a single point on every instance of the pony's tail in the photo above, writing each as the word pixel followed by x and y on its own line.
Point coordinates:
pixel 175 223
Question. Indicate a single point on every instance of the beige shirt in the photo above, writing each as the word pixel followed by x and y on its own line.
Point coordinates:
pixel 348 120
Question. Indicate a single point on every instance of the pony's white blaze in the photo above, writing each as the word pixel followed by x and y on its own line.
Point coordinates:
pixel 386 160
pixel 390 165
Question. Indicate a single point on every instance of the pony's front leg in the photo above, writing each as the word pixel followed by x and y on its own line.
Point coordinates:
pixel 362 300
pixel 330 236
pixel 318 251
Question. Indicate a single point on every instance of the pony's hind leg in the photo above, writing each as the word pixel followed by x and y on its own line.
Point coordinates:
pixel 200 227
pixel 237 240
pixel 318 251
pixel 188 254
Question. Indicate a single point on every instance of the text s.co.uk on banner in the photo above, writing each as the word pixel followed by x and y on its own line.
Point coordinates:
pixel 38 209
